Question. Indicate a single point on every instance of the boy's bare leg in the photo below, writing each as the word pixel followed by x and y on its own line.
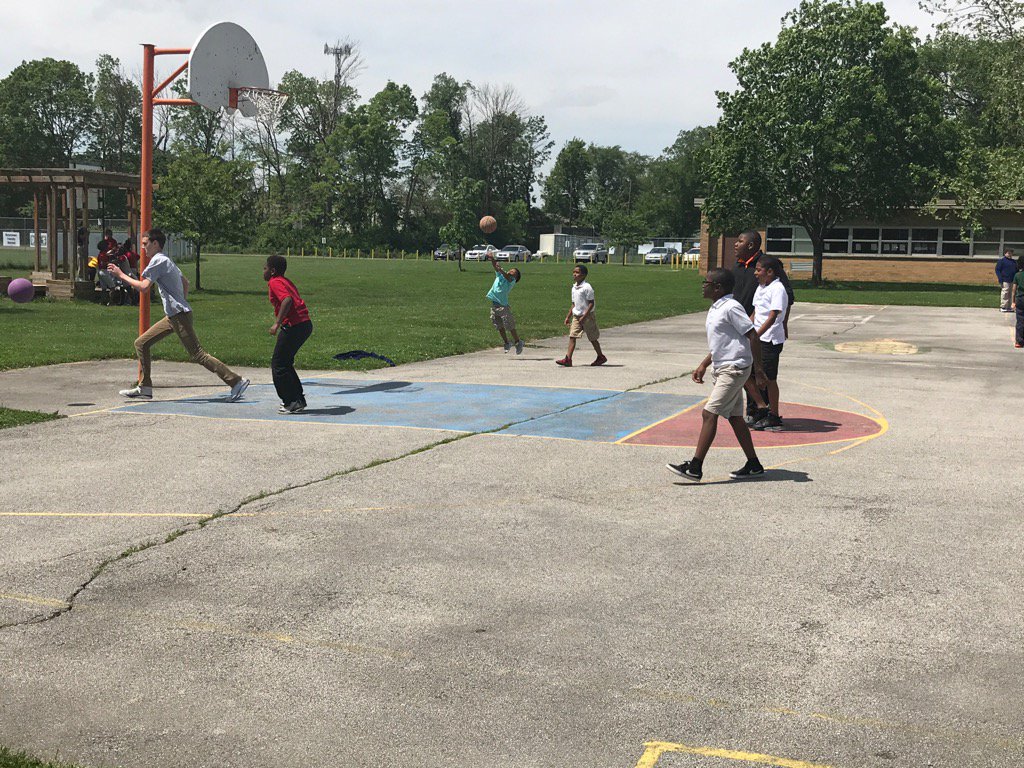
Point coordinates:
pixel 742 432
pixel 708 430
pixel 515 336
pixel 504 336
pixel 773 397
pixel 572 348
pixel 597 348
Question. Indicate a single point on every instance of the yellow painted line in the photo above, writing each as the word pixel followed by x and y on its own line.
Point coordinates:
pixel 93 413
pixel 652 426
pixel 33 600
pixel 103 514
pixel 655 749
pixel 289 639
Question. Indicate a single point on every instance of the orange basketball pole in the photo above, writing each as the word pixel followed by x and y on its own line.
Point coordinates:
pixel 150 98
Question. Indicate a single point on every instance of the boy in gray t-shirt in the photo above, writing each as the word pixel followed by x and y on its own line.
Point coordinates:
pixel 177 319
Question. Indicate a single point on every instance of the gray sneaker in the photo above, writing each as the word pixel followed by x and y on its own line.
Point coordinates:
pixel 238 390
pixel 138 392
pixel 755 416
pixel 508 345
pixel 769 422
pixel 519 347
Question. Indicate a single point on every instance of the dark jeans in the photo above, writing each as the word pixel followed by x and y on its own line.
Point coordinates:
pixel 1020 321
pixel 282 364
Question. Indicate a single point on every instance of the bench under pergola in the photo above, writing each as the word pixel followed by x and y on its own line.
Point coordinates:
pixel 60 205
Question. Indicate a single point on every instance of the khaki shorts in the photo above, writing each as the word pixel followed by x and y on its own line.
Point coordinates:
pixel 588 326
pixel 502 317
pixel 727 393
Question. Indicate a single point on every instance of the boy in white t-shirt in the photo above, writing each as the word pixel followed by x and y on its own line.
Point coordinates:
pixel 734 352
pixel 580 317
pixel 770 305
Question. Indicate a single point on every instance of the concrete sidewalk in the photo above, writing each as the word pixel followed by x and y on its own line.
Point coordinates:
pixel 180 589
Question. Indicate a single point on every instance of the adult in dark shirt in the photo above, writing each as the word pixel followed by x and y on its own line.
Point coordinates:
pixel 748 253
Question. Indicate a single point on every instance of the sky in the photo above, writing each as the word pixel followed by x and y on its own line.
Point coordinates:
pixel 631 74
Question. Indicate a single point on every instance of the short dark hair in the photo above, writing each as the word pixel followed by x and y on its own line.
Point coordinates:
pixel 519 275
pixel 157 235
pixel 582 268
pixel 278 263
pixel 753 236
pixel 722 277
pixel 1008 252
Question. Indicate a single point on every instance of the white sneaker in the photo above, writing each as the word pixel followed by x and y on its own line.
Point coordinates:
pixel 508 345
pixel 138 391
pixel 238 390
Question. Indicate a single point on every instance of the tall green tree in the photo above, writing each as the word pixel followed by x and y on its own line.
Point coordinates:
pixel 117 129
pixel 202 198
pixel 46 112
pixel 837 119
pixel 674 180
pixel 567 187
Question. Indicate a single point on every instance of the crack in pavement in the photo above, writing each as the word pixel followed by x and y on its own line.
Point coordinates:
pixel 200 524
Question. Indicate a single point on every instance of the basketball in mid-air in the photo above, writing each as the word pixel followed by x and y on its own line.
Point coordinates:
pixel 488 224
pixel 21 290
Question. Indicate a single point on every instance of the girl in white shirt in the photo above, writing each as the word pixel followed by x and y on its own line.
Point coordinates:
pixel 770 305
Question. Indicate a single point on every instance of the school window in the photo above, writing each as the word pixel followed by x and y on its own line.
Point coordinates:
pixel 894 242
pixel 1014 240
pixel 952 245
pixel 988 243
pixel 837 240
pixel 780 240
pixel 924 242
pixel 865 241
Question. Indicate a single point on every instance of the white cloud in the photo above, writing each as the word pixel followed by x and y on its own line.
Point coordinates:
pixel 631 74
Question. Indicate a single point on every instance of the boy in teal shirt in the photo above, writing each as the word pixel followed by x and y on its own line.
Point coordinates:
pixel 501 313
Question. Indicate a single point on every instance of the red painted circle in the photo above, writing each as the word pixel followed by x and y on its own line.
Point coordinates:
pixel 802 425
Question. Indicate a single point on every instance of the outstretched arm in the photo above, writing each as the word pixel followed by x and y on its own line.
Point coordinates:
pixel 139 285
pixel 494 263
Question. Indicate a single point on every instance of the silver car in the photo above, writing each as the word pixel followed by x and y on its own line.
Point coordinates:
pixel 479 253
pixel 591 253
pixel 513 253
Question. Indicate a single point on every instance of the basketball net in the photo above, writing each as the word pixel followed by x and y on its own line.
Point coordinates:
pixel 266 102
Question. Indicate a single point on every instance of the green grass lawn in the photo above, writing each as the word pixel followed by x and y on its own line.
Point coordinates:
pixel 406 310
pixel 10 417
pixel 11 759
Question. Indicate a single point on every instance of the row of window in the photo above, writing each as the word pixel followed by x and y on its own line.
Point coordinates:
pixel 881 241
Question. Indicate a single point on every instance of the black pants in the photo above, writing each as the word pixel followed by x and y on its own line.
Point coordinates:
pixel 1020 319
pixel 282 364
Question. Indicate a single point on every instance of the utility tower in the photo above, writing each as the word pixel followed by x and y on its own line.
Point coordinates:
pixel 340 51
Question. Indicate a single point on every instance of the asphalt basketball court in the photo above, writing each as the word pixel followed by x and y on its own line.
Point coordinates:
pixel 482 560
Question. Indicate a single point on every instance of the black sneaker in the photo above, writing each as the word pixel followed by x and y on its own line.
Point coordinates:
pixel 687 470
pixel 771 422
pixel 751 469
pixel 755 416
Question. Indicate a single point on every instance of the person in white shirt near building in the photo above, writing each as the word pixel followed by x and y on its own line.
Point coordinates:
pixel 581 319
pixel 770 305
pixel 735 351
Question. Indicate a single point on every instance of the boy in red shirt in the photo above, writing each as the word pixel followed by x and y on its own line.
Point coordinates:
pixel 292 327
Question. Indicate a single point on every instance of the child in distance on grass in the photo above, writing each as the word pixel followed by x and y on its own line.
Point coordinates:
pixel 580 317
pixel 770 305
pixel 734 347
pixel 501 313
pixel 292 327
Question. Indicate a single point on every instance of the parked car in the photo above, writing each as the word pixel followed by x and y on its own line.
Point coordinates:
pixel 591 253
pixel 513 253
pixel 692 256
pixel 445 252
pixel 479 252
pixel 660 255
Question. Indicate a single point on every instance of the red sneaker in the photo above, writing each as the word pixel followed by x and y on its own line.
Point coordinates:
pixel 601 360
pixel 565 361
pixel 1018 346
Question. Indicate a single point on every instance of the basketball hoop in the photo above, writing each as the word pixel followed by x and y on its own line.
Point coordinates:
pixel 265 104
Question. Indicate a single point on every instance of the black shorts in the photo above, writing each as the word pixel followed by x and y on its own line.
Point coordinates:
pixel 770 354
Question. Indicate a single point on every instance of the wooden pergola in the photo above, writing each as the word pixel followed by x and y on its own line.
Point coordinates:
pixel 62 195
